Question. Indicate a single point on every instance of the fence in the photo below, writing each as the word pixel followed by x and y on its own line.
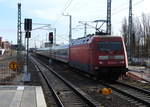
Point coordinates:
pixel 7 76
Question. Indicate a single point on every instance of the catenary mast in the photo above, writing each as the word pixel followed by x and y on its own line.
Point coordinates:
pixel 19 36
pixel 108 30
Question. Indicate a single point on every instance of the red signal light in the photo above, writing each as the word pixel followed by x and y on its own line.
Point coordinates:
pixel 51 37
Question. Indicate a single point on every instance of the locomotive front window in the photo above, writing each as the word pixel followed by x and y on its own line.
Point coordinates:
pixel 110 46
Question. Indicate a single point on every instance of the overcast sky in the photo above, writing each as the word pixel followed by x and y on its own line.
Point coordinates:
pixel 50 12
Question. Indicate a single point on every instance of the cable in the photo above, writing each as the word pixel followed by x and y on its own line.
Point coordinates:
pixel 126 5
pixel 122 5
pixel 68 3
pixel 60 37
pixel 114 13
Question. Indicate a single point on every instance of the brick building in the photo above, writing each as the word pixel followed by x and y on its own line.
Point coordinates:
pixel 4 44
pixel 0 42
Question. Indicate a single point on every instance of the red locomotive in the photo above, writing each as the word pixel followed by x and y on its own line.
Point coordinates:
pixel 102 56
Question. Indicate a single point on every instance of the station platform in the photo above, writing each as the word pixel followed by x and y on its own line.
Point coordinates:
pixel 21 96
pixel 139 73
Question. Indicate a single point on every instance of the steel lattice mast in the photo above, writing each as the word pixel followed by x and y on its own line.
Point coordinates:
pixel 130 29
pixel 19 35
pixel 108 17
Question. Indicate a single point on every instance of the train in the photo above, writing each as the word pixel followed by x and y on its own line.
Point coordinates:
pixel 104 57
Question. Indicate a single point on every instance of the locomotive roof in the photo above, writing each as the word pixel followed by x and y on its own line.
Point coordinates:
pixel 78 41
pixel 88 39
pixel 103 36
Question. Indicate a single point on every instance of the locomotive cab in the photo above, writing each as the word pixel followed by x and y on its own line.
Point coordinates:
pixel 109 57
pixel 101 56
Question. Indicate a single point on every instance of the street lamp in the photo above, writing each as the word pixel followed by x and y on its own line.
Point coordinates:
pixel 70 27
pixel 70 31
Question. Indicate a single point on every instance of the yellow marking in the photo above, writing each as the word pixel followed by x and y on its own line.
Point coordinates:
pixel 105 91
pixel 13 65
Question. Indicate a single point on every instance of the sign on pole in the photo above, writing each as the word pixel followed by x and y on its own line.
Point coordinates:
pixel 13 65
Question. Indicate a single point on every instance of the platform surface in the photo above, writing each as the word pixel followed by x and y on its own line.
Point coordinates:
pixel 141 75
pixel 21 96
pixel 140 72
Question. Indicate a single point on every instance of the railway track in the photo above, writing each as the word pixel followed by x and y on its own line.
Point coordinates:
pixel 65 93
pixel 134 94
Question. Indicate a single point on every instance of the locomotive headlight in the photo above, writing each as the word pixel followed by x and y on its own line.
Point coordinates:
pixel 103 57
pixel 100 62
pixel 96 68
pixel 119 57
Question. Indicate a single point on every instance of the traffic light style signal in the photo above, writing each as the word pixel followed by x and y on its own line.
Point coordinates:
pixel 28 24
pixel 51 37
pixel 28 35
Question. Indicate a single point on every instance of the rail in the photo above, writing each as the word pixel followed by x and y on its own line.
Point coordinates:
pixel 91 102
pixel 60 104
pixel 134 93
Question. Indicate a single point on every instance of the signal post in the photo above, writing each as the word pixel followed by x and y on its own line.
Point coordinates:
pixel 51 39
pixel 27 28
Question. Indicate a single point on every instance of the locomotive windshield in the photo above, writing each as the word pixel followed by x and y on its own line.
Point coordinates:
pixel 110 46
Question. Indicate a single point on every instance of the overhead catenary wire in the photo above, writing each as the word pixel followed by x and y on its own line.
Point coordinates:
pixel 126 7
pixel 121 5
pixel 63 38
pixel 116 10
pixel 68 3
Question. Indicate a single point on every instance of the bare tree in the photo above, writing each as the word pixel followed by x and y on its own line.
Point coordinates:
pixel 140 37
pixel 146 32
